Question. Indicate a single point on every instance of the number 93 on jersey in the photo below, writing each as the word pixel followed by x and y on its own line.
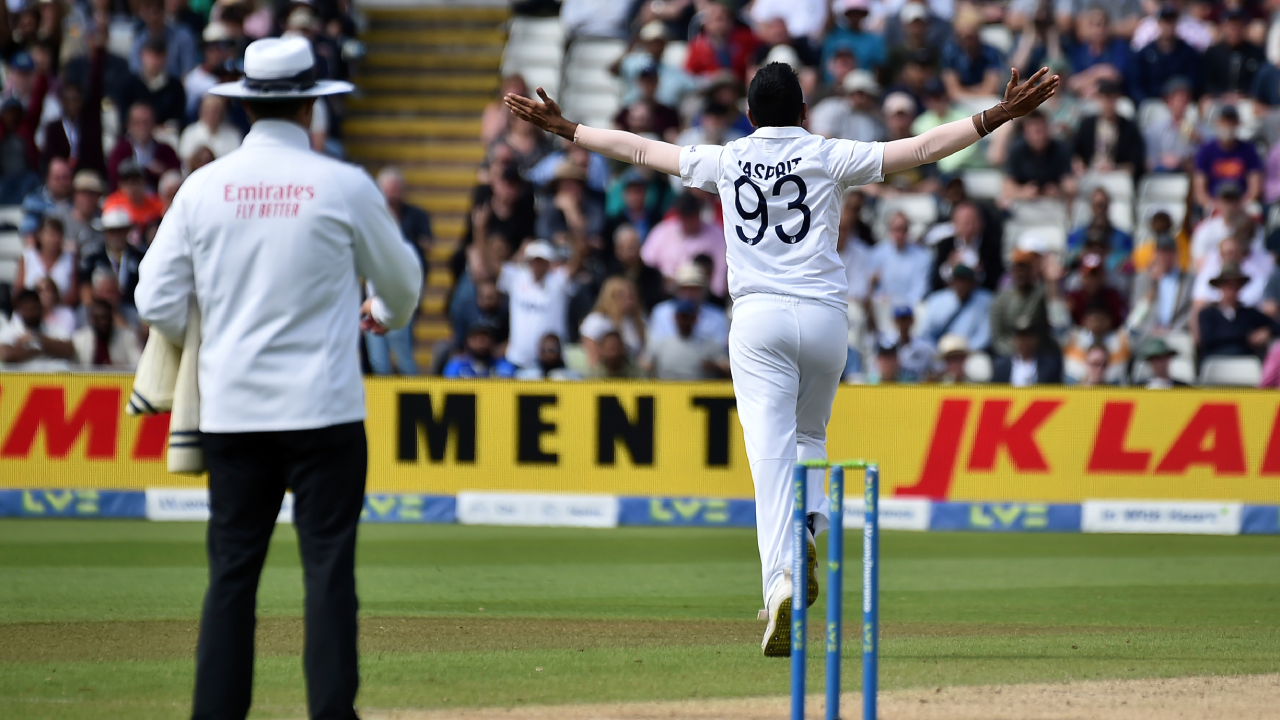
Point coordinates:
pixel 753 208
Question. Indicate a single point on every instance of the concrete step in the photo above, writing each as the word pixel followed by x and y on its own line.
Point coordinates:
pixel 449 229
pixel 436 37
pixel 365 128
pixel 438 14
pixel 442 252
pixel 442 176
pixel 429 330
pixel 477 61
pixel 442 104
pixel 440 201
pixel 403 153
pixel 416 82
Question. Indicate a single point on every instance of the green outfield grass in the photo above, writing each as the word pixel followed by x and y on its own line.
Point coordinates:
pixel 98 618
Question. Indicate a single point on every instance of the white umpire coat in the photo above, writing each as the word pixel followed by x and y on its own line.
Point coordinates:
pixel 271 240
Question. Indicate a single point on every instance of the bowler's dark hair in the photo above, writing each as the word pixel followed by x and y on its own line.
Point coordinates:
pixel 775 98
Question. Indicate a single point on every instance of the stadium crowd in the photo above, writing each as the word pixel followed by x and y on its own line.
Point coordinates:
pixel 104 111
pixel 574 267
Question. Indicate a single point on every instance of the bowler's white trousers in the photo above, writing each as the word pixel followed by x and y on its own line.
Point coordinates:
pixel 787 355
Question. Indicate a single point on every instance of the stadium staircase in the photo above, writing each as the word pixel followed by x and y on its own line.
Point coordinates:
pixel 427 76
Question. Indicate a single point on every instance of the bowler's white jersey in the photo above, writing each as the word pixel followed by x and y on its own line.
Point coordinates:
pixel 781 189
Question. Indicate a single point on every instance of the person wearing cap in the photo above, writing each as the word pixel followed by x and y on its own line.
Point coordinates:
pixel 1164 56
pixel 1172 139
pixel 1092 288
pixel 88 190
pixel 1231 64
pixel 780 192
pixel 886 368
pixel 1226 159
pixel 139 146
pixel 970 68
pixel 962 308
pixel 1157 354
pixel 269 242
pixel 1097 54
pixel 1096 331
pixel 916 28
pixel 572 216
pixel 215 51
pixel 539 298
pixel 101 344
pixel 133 195
pixel 664 121
pixel 179 43
pixel 152 84
pixel 1038 164
pixel 1229 327
pixel 1160 223
pixel 1161 297
pixel 854 116
pixel 953 351
pixel 1119 242
pixel 682 237
pixel 477 359
pixel 723 43
pixel 690 285
pixel 1244 249
pixel 114 254
pixel 651 45
pixel 1228 213
pixel 1031 299
pixel 900 267
pixel 1030 363
pixel 211 129
pixel 1108 141
pixel 915 353
pixel 899 114
pixel 867 47
pixel 685 355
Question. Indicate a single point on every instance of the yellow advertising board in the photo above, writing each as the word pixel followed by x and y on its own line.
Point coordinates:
pixel 683 439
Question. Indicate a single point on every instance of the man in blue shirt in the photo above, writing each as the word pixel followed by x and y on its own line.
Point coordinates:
pixel 961 309
pixel 1167 57
pixel 969 68
pixel 477 360
pixel 868 48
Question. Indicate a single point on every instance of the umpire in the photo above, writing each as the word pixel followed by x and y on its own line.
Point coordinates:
pixel 270 241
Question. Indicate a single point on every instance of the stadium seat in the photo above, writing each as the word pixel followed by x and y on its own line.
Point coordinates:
pixel 547 78
pixel 1120 212
pixel 1180 369
pixel 1119 185
pixel 978 368
pixel 582 104
pixel 8 271
pixel 527 29
pixel 920 208
pixel 675 54
pixel 1164 187
pixel 1231 371
pixel 998 37
pixel 11 215
pixel 595 52
pixel 1053 236
pixel 517 56
pixel 10 245
pixel 984 184
pixel 591 80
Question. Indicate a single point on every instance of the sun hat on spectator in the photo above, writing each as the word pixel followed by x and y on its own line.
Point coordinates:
pixel 215 33
pixel 130 168
pixel 690 275
pixel 114 219
pixel 540 250
pixel 846 6
pixel 280 69
pixel 952 344
pixel 88 181
pixel 1025 257
pixel 861 81
pixel 911 12
pixel 785 54
pixel 566 171
pixel 1231 273
pixel 654 30
pixel 302 19
pixel 1155 348
pixel 899 102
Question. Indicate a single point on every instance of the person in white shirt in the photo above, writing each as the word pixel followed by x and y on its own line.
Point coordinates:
pixel 101 344
pixel 1244 249
pixel 26 341
pixel 780 190
pixel 539 300
pixel 685 356
pixel 211 130
pixel 269 243
pixel 691 284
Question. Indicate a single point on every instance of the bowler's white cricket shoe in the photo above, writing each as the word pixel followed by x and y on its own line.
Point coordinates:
pixel 777 636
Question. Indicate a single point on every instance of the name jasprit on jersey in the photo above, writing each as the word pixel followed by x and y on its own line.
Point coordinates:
pixel 760 171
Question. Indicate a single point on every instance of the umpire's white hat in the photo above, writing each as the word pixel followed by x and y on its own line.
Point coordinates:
pixel 280 69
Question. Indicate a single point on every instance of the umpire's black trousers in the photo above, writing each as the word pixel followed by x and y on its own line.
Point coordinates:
pixel 248 474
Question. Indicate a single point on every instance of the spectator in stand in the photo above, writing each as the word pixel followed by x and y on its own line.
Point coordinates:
pixel 887 368
pixel 1172 141
pixel 684 355
pixel 691 284
pixel 1227 160
pixel 1032 300
pixel 1229 213
pixel 626 263
pixel 953 351
pixel 1161 297
pixel 914 21
pixel 778 45
pixel 1093 290
pixel 143 206
pixel 971 69
pixel 1097 368
pixel 26 342
pixel 970 247
pixel 1229 328
pixel 1165 57
pixel 539 297
pixel 52 198
pixel 1244 250
pixel 595 19
pixel 86 202
pixel 175 38
pixel 868 48
pixel 853 240
pixel 550 365
pixel 963 308
pixel 216 49
pixel 651 45
pixel 614 362
pixel 1160 225
pixel 153 86
pixel 414 222
pixel 170 182
pixel 679 239
pixel 1231 64
pixel 1157 354
pixel 76 135
pixel 854 116
pixel 900 113
pixel 102 344
pixel 1038 165
pixel 490 307
pixel 712 127
pixel 1096 55
pixel 503 208
pixel 635 209
pixel 801 18
pixel 139 145
pixel 616 309
pixel 1194 31
pixel 478 359
pixel 1119 241
pixel 664 121
pixel 210 130
pixel 1108 141
pixel 59 318
pixel 939 110
pixel 915 354
pixel 900 268
pixel 1096 331
pixel 113 254
pixel 49 257
pixel 1030 364
pixel 722 44
pixel 18 156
